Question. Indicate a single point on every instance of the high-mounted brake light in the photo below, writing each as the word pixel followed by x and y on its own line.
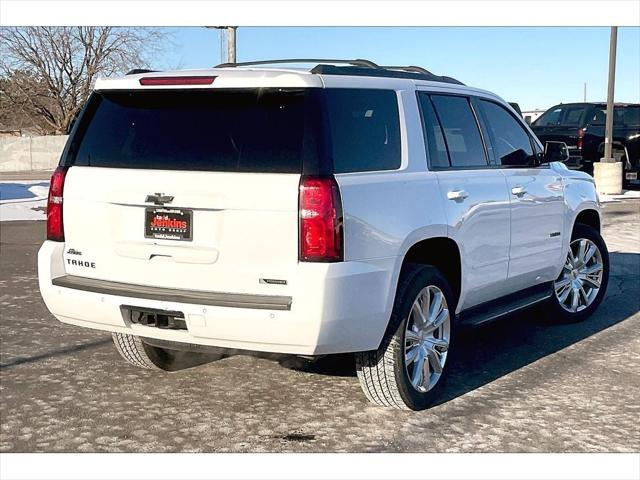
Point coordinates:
pixel 55 229
pixel 176 80
pixel 321 232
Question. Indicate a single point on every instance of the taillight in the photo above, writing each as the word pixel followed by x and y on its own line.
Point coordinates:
pixel 580 136
pixel 55 229
pixel 321 232
pixel 177 80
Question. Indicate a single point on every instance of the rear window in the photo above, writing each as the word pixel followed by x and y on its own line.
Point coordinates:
pixel 549 118
pixel 231 131
pixel 566 116
pixel 249 130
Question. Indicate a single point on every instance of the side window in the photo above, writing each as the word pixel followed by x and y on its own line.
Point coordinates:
pixel 461 131
pixel 510 143
pixel 365 129
pixel 626 115
pixel 550 118
pixel 433 135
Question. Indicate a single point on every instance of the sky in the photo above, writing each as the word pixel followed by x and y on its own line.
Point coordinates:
pixel 536 67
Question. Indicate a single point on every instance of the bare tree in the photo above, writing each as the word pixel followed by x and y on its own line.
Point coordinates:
pixel 46 73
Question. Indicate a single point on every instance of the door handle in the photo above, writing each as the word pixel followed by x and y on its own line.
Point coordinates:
pixel 518 191
pixel 457 194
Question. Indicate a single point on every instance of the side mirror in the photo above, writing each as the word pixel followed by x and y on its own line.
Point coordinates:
pixel 555 152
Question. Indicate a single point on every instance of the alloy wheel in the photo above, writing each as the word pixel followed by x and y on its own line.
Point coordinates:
pixel 579 282
pixel 426 338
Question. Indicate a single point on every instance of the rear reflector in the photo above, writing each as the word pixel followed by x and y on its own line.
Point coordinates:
pixel 55 228
pixel 176 80
pixel 320 213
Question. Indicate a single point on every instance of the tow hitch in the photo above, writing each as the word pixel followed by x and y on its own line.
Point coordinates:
pixel 165 319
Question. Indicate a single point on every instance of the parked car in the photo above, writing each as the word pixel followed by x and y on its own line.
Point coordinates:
pixel 582 127
pixel 346 208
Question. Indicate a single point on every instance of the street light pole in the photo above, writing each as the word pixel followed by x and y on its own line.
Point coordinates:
pixel 607 172
pixel 610 93
pixel 231 44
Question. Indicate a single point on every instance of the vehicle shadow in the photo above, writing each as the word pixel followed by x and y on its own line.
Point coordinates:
pixel 486 353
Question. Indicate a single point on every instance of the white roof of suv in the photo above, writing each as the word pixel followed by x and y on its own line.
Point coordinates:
pixel 253 74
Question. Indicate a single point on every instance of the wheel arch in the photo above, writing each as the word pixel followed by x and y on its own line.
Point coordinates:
pixel 441 252
pixel 590 217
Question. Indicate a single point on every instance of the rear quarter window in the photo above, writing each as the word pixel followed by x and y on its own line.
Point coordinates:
pixel 365 129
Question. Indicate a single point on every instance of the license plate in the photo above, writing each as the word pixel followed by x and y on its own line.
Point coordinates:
pixel 631 175
pixel 168 223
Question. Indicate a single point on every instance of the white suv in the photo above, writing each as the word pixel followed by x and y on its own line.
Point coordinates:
pixel 346 208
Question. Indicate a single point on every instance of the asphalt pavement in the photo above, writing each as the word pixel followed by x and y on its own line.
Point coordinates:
pixel 523 384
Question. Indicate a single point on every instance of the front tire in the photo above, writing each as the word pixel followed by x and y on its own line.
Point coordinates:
pixel 410 362
pixel 582 284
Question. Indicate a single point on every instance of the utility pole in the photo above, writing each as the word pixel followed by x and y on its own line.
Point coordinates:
pixel 585 93
pixel 607 172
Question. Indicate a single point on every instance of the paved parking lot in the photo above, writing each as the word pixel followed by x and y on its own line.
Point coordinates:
pixel 522 384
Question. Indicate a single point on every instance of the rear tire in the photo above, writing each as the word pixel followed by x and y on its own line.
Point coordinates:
pixel 135 351
pixel 411 360
pixel 574 277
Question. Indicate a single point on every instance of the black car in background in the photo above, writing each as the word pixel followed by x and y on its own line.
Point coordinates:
pixel 581 126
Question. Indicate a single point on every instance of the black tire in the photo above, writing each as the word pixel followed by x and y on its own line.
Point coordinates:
pixel 561 314
pixel 138 353
pixel 382 372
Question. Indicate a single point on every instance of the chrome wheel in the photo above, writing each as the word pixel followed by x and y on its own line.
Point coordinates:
pixel 580 280
pixel 426 338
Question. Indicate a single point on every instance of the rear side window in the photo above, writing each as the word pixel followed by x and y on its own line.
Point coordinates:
pixel 461 131
pixel 630 116
pixel 365 129
pixel 231 131
pixel 510 143
pixel 627 116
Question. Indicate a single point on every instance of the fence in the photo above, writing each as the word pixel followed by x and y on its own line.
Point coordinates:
pixel 21 154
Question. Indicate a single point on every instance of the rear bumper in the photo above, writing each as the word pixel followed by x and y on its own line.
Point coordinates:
pixel 335 308
pixel 213 299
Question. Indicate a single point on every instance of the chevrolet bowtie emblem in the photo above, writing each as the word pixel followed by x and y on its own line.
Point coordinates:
pixel 159 198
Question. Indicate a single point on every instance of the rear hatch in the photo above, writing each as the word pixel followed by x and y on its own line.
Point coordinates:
pixel 189 189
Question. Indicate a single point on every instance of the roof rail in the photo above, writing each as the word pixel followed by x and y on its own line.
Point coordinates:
pixel 356 67
pixel 410 68
pixel 382 72
pixel 356 62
